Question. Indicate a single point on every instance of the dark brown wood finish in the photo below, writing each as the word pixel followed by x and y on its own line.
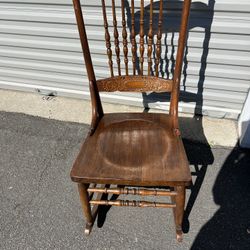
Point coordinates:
pixel 114 155
pixel 158 43
pixel 133 191
pixel 134 84
pixel 179 61
pixel 142 37
pixel 132 149
pixel 97 110
pixel 124 35
pixel 116 36
pixel 134 203
pixel 107 38
pixel 84 198
pixel 150 38
pixel 133 43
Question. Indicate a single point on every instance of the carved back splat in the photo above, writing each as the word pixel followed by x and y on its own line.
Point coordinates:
pixel 127 10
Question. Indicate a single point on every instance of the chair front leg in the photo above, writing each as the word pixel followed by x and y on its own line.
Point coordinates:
pixel 179 200
pixel 84 197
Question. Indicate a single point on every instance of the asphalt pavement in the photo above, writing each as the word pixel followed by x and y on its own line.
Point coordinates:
pixel 40 208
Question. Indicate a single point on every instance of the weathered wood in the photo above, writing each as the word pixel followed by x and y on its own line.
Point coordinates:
pixel 133 203
pixel 133 42
pixel 116 38
pixel 141 36
pixel 134 84
pixel 107 38
pixel 150 38
pixel 145 147
pixel 158 43
pixel 124 35
pixel 133 191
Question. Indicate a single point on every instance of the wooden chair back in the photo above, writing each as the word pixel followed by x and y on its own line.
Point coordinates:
pixel 130 81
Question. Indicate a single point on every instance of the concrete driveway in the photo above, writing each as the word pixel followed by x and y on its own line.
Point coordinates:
pixel 40 208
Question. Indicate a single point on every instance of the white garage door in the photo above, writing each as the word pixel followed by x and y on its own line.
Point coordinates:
pixel 40 51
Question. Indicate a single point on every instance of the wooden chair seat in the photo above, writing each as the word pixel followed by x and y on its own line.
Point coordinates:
pixel 118 152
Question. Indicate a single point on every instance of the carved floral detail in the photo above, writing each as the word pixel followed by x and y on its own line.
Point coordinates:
pixel 135 84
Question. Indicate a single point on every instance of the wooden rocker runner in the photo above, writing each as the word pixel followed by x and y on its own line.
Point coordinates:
pixel 129 153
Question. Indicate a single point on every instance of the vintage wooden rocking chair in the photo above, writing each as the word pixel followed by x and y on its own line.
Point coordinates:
pixel 142 150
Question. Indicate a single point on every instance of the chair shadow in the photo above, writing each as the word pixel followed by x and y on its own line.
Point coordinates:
pixel 229 228
pixel 103 210
pixel 199 155
pixel 197 148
